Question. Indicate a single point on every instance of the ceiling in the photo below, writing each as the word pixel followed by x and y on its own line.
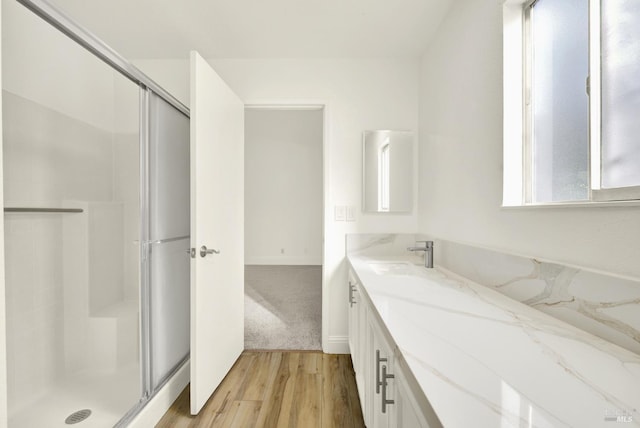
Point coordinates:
pixel 161 29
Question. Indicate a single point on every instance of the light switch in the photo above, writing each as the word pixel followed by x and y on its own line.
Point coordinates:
pixel 339 214
pixel 351 213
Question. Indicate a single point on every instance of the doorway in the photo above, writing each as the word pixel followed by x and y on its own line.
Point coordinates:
pixel 283 227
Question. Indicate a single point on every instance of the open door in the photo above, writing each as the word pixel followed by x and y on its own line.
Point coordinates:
pixel 217 230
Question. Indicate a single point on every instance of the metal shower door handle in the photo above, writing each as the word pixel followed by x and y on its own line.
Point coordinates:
pixel 204 251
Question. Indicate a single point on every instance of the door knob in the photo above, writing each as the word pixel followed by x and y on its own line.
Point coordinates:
pixel 204 251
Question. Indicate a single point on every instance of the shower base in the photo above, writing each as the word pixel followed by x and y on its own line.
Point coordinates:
pixel 108 396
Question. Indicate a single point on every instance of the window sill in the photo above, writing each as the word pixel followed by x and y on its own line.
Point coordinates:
pixel 580 204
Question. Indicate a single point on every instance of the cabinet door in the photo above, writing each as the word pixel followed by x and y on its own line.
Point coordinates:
pixel 404 413
pixel 362 345
pixel 357 336
pixel 411 408
pixel 382 378
pixel 386 398
pixel 353 322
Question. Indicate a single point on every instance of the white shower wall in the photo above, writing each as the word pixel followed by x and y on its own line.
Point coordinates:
pixel 34 307
pixel 56 273
pixel 126 175
pixel 34 175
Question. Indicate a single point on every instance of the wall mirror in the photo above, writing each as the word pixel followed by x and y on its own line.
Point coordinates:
pixel 387 171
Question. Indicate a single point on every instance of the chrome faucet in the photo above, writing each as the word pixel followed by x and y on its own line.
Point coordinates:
pixel 428 252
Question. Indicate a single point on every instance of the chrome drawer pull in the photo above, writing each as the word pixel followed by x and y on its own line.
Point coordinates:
pixel 378 361
pixel 352 300
pixel 385 401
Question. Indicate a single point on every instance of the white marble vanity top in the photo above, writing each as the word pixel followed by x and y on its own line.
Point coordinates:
pixel 485 360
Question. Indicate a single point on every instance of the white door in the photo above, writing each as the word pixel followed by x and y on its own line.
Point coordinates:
pixel 217 223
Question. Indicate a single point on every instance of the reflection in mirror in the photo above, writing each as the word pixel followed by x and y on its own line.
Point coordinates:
pixel 387 171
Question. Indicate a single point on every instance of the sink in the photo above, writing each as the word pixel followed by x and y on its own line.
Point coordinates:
pixel 392 268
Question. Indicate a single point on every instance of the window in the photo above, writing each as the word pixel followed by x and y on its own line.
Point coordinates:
pixel 557 104
pixel 572 99
pixel 620 93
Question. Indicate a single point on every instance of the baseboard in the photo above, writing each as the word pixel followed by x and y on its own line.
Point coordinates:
pixel 151 414
pixel 283 261
pixel 336 345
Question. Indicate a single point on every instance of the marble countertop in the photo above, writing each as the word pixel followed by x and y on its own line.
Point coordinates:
pixel 485 360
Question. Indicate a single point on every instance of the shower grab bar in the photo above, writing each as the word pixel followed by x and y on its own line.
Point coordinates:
pixel 42 210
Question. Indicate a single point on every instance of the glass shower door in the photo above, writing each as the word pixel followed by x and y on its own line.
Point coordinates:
pixel 71 149
pixel 168 257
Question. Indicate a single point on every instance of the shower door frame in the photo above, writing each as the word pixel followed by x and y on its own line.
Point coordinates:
pixel 58 19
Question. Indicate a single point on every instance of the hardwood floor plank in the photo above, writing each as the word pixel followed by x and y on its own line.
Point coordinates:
pixel 255 382
pixel 312 362
pixel 274 397
pixel 305 409
pixel 289 391
pixel 349 380
pixel 244 415
pixel 277 389
pixel 224 420
pixel 294 361
pixel 336 411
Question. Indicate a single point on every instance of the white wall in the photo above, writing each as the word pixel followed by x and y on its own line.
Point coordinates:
pixel 360 95
pixel 461 159
pixel 283 187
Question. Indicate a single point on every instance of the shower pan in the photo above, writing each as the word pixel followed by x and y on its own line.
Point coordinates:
pixel 96 195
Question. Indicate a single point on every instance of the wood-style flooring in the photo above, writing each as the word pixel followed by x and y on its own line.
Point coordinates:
pixel 278 389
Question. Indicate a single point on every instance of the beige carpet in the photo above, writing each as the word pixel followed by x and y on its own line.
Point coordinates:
pixel 283 307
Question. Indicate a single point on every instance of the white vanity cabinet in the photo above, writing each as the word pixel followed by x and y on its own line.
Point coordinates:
pixel 357 334
pixel 380 357
pixel 427 324
pixel 389 395
pixel 410 407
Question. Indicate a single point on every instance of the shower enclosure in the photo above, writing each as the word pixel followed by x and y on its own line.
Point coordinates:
pixel 96 187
